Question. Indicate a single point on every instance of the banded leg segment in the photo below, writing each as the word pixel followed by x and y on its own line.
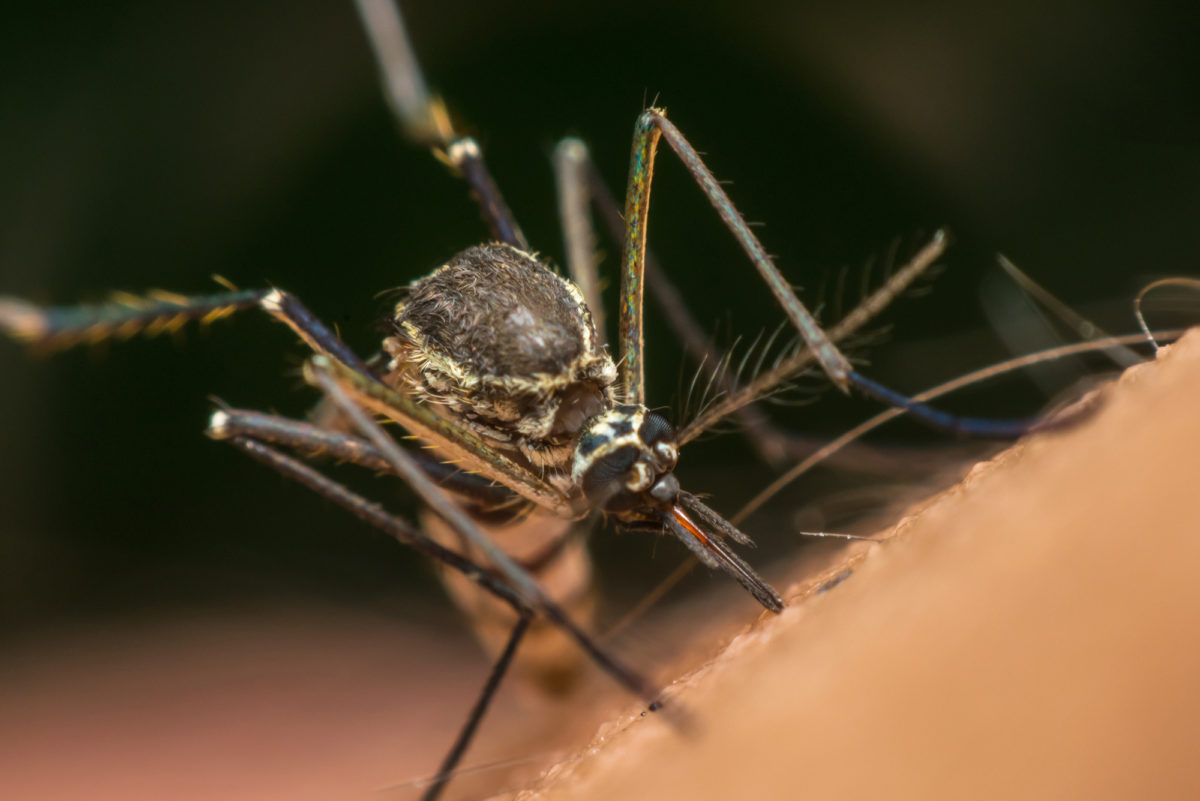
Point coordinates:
pixel 160 312
pixel 125 316
pixel 423 118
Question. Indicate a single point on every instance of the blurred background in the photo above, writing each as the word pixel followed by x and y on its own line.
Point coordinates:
pixel 150 145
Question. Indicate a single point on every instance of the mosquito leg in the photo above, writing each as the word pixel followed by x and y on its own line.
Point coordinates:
pixel 61 326
pixel 318 372
pixel 571 167
pixel 992 371
pixel 160 312
pixel 374 515
pixel 653 125
pixel 291 312
pixel 125 316
pixel 481 494
pixel 767 380
pixel 467 733
pixel 754 423
pixel 693 338
pixel 577 183
pixel 407 534
pixel 314 441
pixel 421 116
pixel 423 119
pixel 771 444
pixel 458 444
pixel 311 441
pixel 467 159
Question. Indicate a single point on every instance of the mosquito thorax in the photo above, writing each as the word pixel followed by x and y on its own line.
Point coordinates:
pixel 624 461
pixel 499 341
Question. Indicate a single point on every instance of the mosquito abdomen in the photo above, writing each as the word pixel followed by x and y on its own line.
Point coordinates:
pixel 545 547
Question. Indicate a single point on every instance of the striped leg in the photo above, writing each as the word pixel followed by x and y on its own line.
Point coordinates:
pixel 162 312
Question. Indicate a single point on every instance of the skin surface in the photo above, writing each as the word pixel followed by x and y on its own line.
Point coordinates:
pixel 1029 633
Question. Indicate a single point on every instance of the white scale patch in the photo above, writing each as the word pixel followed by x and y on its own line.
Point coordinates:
pixel 616 429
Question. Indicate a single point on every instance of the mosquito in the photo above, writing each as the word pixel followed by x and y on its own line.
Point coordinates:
pixel 496 363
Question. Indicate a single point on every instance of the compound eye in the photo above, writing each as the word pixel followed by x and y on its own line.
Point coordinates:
pixel 607 476
pixel 654 429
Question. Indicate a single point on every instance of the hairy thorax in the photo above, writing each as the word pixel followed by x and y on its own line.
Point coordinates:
pixel 502 345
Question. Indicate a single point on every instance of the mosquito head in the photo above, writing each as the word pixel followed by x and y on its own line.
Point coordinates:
pixel 624 459
pixel 624 463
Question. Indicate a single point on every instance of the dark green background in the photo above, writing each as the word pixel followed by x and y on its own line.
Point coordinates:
pixel 150 144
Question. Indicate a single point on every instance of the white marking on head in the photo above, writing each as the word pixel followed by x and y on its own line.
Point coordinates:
pixel 667 452
pixel 640 477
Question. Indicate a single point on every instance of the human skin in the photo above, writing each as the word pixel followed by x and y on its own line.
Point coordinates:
pixel 1029 633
